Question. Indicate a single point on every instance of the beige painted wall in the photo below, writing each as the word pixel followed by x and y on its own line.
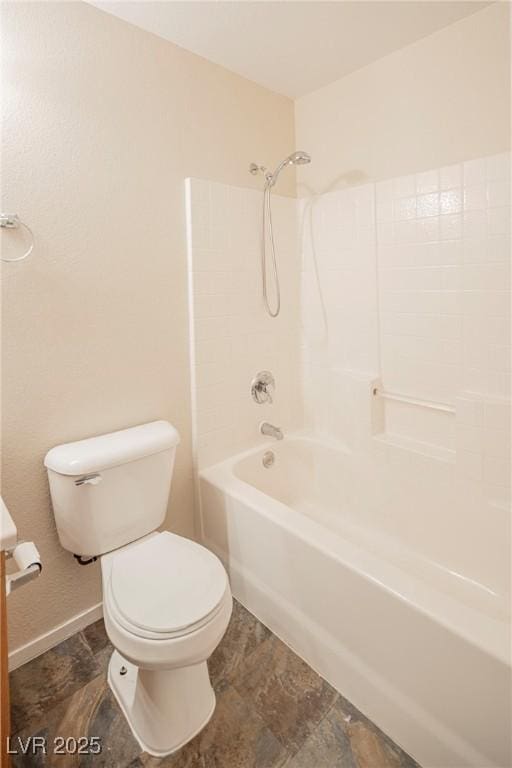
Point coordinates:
pixel 101 124
pixel 442 100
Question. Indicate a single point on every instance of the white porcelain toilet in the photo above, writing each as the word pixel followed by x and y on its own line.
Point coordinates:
pixel 166 600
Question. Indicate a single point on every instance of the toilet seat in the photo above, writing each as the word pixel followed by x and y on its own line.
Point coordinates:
pixel 165 587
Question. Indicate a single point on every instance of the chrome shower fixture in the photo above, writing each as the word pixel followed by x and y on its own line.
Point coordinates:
pixel 296 158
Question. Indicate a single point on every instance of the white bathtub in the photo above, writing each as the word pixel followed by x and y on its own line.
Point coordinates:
pixel 420 647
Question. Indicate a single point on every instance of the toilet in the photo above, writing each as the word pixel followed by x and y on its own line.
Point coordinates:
pixel 166 599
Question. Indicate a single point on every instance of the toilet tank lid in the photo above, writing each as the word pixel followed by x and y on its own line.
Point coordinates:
pixel 98 453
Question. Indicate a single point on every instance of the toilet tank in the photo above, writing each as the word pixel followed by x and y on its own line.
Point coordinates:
pixel 109 490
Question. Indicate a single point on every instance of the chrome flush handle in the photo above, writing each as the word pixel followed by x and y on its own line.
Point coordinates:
pixel 93 479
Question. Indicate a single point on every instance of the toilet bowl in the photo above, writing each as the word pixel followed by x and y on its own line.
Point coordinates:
pixel 167 604
pixel 166 599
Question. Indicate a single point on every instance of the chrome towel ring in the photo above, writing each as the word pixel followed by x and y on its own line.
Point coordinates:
pixel 13 221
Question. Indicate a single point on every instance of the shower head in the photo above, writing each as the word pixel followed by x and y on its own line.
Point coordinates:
pixel 296 158
pixel 300 158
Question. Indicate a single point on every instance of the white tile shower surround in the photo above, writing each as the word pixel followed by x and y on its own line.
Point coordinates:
pixel 406 281
pixel 232 336
pixel 415 291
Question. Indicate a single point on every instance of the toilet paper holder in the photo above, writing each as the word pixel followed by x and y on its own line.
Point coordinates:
pixel 28 560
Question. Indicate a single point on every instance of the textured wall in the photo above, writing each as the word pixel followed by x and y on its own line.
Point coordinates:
pixel 445 99
pixel 102 122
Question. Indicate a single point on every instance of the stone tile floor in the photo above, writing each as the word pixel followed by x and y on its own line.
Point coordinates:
pixel 273 711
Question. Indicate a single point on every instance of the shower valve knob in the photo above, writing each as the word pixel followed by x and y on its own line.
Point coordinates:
pixel 262 387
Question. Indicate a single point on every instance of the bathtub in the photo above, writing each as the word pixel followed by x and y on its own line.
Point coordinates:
pixel 421 647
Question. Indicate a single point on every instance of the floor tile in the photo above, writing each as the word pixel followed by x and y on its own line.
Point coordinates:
pixel 272 710
pixel 370 747
pixel 90 712
pixel 107 722
pixel 285 691
pixel 186 757
pixel 96 636
pixel 345 738
pixel 242 637
pixel 41 684
pixel 235 737
pixel 327 747
pixel 369 751
pixel 97 639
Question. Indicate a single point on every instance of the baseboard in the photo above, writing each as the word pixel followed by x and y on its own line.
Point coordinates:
pixel 55 636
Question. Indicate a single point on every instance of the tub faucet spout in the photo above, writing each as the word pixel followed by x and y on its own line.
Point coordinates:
pixel 270 431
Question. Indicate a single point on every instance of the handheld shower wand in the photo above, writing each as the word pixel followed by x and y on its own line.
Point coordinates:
pixel 296 158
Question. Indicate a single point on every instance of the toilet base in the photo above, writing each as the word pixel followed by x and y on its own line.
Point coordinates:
pixel 165 709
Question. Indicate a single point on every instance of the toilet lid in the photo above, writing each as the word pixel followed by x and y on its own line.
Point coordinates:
pixel 167 583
